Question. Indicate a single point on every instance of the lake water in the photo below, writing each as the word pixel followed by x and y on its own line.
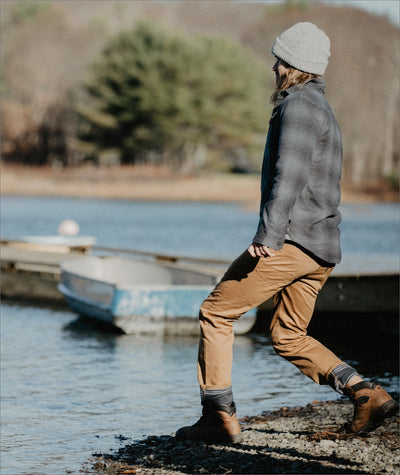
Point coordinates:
pixel 69 391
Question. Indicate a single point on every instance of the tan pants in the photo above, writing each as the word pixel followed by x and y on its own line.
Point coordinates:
pixel 294 279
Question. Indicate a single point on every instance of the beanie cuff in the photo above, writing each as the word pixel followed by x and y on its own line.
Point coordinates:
pixel 302 64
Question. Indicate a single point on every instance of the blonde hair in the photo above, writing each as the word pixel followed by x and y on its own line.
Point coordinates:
pixel 291 78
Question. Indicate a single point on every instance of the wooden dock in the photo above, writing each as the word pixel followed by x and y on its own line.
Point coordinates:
pixel 31 272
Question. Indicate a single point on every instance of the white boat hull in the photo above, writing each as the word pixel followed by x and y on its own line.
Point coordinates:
pixel 140 296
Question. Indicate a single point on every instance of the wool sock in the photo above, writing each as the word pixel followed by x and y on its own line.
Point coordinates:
pixel 217 397
pixel 340 376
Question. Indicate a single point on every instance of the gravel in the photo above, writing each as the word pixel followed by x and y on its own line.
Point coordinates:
pixel 291 440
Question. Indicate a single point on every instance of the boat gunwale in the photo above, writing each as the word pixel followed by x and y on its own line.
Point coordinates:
pixel 80 276
pixel 126 285
pixel 151 287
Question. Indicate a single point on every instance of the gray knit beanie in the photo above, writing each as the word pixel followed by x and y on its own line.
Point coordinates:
pixel 304 47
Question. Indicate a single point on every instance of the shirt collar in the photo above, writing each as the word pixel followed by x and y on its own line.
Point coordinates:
pixel 314 83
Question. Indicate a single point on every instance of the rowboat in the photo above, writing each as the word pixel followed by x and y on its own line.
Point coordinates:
pixel 139 296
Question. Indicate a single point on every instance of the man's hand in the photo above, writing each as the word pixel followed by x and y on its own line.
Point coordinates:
pixel 258 250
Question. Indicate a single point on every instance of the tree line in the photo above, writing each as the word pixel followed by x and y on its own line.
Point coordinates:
pixel 184 83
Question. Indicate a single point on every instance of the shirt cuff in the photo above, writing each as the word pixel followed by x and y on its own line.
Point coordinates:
pixel 269 238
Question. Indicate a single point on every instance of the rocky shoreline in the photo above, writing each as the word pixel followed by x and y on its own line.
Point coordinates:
pixel 290 440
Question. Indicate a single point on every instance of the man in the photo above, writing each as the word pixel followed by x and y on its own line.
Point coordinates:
pixel 295 248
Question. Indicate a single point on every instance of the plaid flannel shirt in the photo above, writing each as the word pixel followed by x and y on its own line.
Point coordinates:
pixel 300 184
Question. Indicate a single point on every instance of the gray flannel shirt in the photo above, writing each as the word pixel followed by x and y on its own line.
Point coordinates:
pixel 300 184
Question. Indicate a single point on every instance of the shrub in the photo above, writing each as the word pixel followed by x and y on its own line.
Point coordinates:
pixel 158 96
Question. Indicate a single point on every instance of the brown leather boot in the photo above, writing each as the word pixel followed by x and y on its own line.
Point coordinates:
pixel 372 405
pixel 217 424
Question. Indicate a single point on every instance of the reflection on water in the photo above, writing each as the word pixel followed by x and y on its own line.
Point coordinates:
pixel 69 389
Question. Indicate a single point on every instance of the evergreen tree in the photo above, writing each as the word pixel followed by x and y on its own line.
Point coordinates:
pixel 158 95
